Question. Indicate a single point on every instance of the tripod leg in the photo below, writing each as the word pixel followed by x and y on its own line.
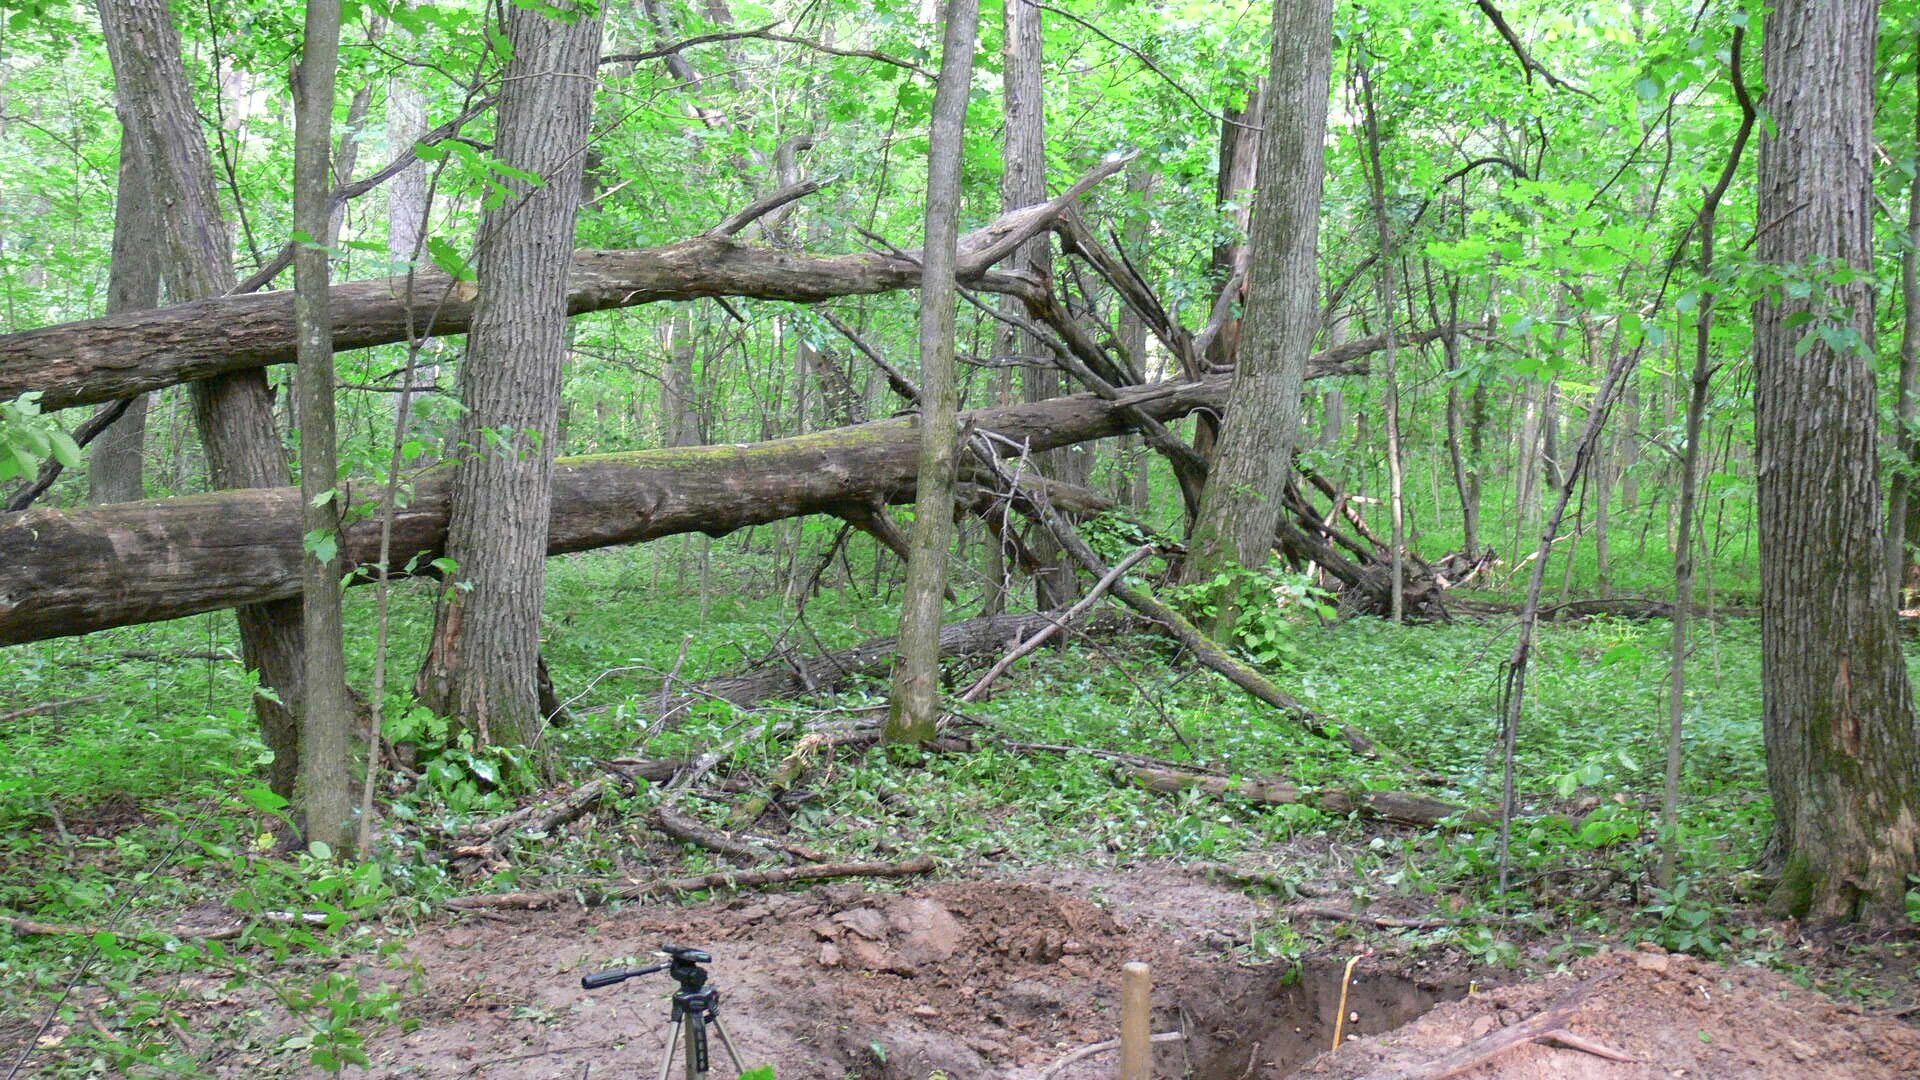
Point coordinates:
pixel 673 1043
pixel 727 1041
pixel 696 1045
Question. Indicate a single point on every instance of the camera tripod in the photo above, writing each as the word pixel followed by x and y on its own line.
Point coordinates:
pixel 696 1007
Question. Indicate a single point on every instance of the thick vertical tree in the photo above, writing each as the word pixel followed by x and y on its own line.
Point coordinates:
pixel 1241 504
pixel 1842 737
pixel 916 677
pixel 118 455
pixel 482 667
pixel 321 800
pixel 234 413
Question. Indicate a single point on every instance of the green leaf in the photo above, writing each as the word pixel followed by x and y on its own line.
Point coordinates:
pixel 65 450
pixel 448 258
pixel 322 544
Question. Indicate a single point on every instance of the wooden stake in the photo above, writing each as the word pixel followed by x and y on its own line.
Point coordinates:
pixel 1136 1016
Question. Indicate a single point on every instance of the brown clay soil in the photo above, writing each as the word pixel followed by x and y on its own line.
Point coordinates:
pixel 1004 978
pixel 1674 1015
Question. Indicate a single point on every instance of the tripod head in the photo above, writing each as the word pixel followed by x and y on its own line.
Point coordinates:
pixel 683 965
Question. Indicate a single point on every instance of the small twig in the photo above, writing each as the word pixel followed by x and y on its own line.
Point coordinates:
pixel 50 707
pixel 1527 62
pixel 1144 59
pixel 1086 1052
pixel 1053 629
pixel 1384 922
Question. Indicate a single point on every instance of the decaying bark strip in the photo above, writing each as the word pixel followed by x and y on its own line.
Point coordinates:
pixel 593 894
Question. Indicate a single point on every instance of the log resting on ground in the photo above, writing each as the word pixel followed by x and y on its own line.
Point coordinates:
pixel 110 358
pixel 65 572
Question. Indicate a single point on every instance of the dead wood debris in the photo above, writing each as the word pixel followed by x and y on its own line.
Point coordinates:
pixel 595 893
pixel 1548 1025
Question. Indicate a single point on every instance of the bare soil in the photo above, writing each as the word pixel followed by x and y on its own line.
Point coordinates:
pixel 1004 978
pixel 1675 1015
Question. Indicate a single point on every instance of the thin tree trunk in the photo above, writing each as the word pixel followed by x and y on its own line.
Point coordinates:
pixel 915 710
pixel 1902 505
pixel 1134 487
pixel 1396 480
pixel 482 666
pixel 322 804
pixel 1241 504
pixel 1024 183
pixel 118 454
pixel 1233 196
pixel 1837 708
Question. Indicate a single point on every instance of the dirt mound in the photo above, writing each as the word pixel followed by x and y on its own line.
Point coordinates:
pixel 966 978
pixel 1673 1015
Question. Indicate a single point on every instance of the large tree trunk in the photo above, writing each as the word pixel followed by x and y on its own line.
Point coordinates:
pixel 1242 501
pixel 75 571
pixel 115 471
pixel 915 709
pixel 482 666
pixel 96 360
pixel 233 410
pixel 1842 737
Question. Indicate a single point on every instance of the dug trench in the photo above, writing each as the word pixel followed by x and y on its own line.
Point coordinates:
pixel 962 979
pixel 1018 977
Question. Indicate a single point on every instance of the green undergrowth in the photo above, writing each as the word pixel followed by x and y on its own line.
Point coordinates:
pixel 145 808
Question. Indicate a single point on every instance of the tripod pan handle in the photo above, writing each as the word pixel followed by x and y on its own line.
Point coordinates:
pixel 604 978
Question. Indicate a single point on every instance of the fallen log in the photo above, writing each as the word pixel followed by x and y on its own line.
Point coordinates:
pixel 119 356
pixel 66 572
pixel 595 893
pixel 1398 807
pixel 833 671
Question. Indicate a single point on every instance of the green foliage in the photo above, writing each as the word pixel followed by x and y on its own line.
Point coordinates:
pixel 27 438
pixel 1268 609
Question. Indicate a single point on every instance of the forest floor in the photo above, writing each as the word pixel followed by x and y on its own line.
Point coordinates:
pixel 1013 977
pixel 136 810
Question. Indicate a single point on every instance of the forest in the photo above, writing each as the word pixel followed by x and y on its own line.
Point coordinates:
pixel 1048 540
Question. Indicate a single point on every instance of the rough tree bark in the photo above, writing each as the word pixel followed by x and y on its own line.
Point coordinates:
pixel 1242 501
pixel 1023 184
pixel 1842 737
pixel 1234 185
pixel 234 410
pixel 96 360
pixel 75 571
pixel 915 708
pixel 482 666
pixel 321 802
pixel 118 455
